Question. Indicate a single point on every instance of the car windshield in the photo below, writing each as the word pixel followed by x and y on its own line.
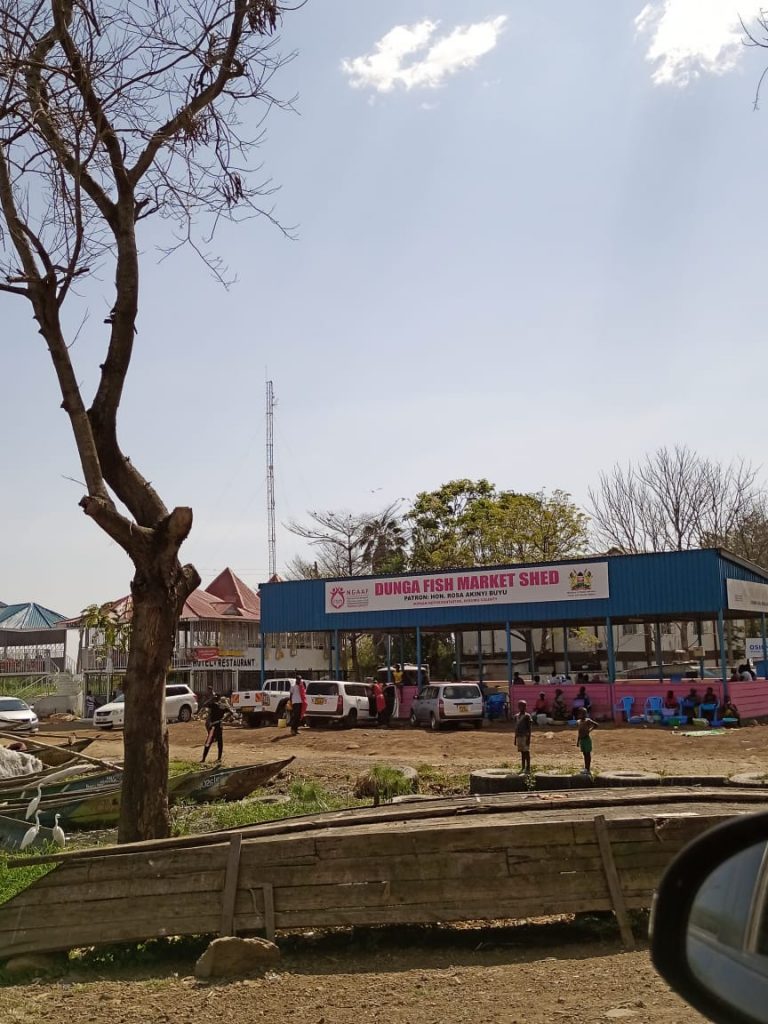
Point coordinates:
pixel 461 692
pixel 12 704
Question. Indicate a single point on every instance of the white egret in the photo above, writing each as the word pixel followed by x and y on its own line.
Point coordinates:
pixel 34 803
pixel 58 832
pixel 31 834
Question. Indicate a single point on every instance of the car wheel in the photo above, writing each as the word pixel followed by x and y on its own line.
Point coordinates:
pixel 413 720
pixel 185 713
pixel 434 725
pixel 351 720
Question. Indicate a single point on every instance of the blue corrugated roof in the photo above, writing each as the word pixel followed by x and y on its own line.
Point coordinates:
pixel 28 616
pixel 664 585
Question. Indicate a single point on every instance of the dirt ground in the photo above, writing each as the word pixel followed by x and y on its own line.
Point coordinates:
pixel 329 754
pixel 535 974
pixel 501 985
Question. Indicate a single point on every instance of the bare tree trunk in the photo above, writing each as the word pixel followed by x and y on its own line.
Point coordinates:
pixel 157 603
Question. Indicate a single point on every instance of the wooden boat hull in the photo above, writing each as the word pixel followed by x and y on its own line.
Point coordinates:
pixel 234 783
pixel 84 784
pixel 12 831
pixel 56 758
pixel 87 810
pixel 23 782
pixel 490 857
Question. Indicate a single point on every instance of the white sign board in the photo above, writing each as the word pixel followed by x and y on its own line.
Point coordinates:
pixel 460 588
pixel 754 648
pixel 747 597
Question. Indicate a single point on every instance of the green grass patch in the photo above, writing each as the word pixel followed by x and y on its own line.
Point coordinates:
pixel 303 798
pixel 15 880
pixel 381 783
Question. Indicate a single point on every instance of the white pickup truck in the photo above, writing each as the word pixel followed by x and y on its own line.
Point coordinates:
pixel 264 703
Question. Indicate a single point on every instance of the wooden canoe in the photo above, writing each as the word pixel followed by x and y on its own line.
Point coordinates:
pixel 12 831
pixel 98 809
pixel 79 784
pixel 56 758
pixel 19 782
pixel 231 783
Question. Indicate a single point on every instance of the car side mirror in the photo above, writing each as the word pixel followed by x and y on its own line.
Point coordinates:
pixel 709 923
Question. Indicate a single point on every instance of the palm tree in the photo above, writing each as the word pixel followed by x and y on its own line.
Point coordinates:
pixel 384 542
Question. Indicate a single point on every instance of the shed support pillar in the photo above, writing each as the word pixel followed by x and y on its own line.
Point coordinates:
pixel 263 659
pixel 609 650
pixel 418 657
pixel 479 655
pixel 723 652
pixel 509 653
pixel 389 657
pixel 566 660
pixel 659 657
pixel 765 645
pixel 336 655
pixel 700 642
pixel 459 653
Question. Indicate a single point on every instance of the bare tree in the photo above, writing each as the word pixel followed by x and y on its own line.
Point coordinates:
pixel 672 500
pixel 111 112
pixel 347 545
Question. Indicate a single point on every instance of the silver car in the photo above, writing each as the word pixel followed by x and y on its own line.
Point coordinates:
pixel 16 716
pixel 442 704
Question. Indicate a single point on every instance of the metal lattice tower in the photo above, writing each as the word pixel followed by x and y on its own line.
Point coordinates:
pixel 272 535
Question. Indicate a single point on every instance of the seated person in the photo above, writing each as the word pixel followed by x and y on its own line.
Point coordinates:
pixel 735 676
pixel 729 710
pixel 710 697
pixel 559 710
pixel 670 701
pixel 541 707
pixel 518 680
pixel 582 701
pixel 690 703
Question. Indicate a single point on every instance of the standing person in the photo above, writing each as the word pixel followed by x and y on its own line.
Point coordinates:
pixel 585 727
pixel 397 675
pixel 217 708
pixel 381 704
pixel 90 704
pixel 296 704
pixel 523 726
pixel 390 699
pixel 559 709
pixel 303 687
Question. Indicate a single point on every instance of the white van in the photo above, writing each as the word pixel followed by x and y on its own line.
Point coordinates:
pixel 331 700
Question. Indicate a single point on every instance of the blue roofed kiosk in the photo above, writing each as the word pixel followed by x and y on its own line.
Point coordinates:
pixel 691 586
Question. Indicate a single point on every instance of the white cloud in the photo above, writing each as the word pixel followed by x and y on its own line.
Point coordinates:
pixel 690 37
pixel 434 58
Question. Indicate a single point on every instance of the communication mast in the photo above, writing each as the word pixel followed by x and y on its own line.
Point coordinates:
pixel 272 535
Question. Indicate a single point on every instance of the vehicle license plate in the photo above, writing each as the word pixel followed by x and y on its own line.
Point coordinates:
pixel 464 708
pixel 319 700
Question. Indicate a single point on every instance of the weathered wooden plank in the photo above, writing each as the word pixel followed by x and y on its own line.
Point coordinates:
pixel 191 884
pixel 230 885
pixel 614 884
pixel 74 933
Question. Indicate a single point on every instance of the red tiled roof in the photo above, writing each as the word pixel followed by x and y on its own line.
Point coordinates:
pixel 229 588
pixel 231 599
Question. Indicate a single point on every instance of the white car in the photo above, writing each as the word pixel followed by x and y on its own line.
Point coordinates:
pixel 16 716
pixel 329 701
pixel 180 706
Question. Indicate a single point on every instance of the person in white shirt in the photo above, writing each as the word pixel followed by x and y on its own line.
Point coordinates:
pixel 295 698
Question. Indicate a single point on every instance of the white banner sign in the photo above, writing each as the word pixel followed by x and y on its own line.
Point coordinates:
pixel 530 584
pixel 754 648
pixel 747 597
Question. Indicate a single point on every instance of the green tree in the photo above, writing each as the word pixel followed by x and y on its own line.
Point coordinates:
pixel 469 522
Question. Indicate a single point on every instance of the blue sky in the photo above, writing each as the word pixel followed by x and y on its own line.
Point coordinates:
pixel 530 243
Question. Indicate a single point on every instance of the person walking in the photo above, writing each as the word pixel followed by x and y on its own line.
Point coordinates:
pixel 296 704
pixel 523 727
pixel 217 709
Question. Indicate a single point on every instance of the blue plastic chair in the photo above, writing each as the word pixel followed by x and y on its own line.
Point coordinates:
pixel 708 707
pixel 653 705
pixel 625 706
pixel 496 706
